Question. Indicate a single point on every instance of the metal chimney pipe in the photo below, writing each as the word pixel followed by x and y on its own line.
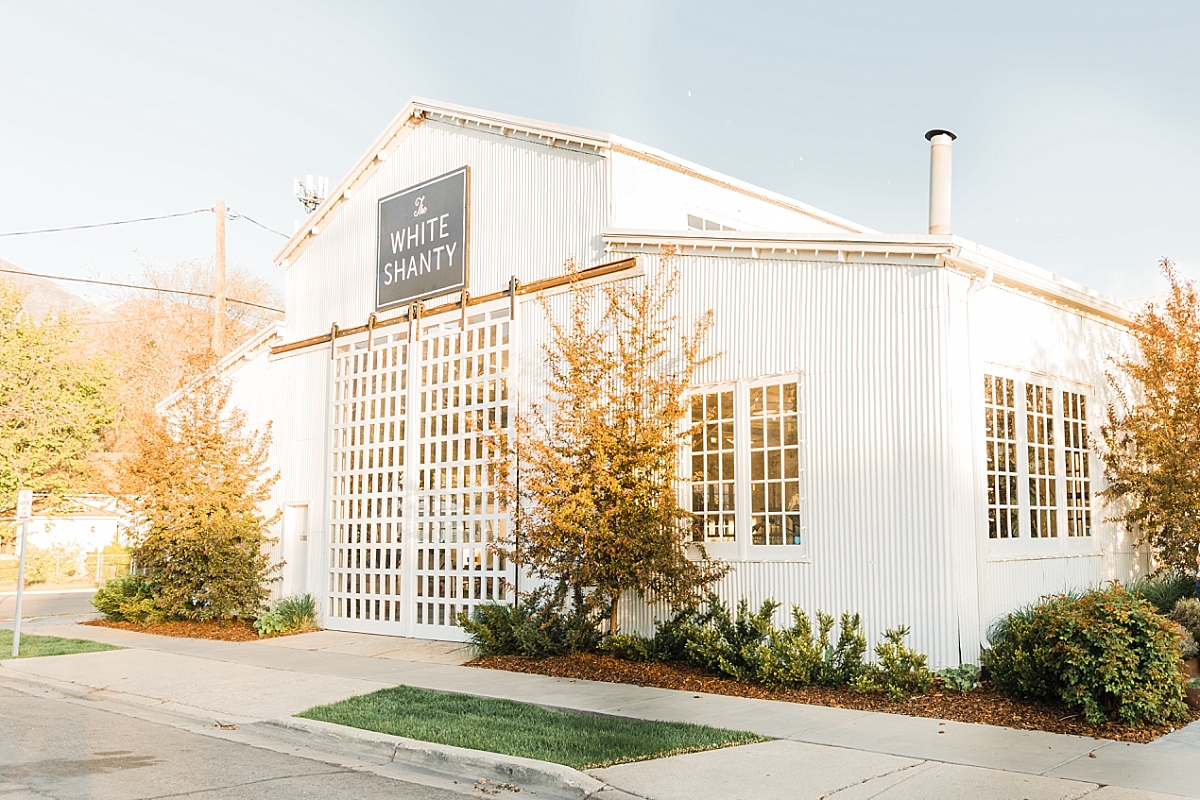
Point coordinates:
pixel 939 179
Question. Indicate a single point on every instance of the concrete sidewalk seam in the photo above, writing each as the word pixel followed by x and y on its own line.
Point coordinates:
pixel 247 783
pixel 840 789
pixel 1101 744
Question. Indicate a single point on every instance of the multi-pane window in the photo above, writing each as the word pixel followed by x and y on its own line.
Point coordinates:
pixel 1024 449
pixel 1043 497
pixel 775 464
pixel 1000 421
pixel 746 464
pixel 700 224
pixel 713 484
pixel 1075 450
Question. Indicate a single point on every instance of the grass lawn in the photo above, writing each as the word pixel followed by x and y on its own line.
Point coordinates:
pixel 581 741
pixel 34 646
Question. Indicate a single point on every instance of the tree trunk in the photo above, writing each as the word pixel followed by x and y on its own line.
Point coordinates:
pixel 612 616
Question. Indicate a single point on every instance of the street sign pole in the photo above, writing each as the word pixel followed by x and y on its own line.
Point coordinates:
pixel 24 513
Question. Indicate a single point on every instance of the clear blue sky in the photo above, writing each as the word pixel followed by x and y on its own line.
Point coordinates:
pixel 1079 122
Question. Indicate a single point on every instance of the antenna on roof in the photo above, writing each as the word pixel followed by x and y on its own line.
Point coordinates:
pixel 311 194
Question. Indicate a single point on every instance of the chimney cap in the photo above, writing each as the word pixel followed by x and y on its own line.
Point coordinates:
pixel 930 134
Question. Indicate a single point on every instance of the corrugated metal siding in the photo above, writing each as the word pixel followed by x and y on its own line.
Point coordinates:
pixel 866 338
pixel 532 207
pixel 1019 332
pixel 297 451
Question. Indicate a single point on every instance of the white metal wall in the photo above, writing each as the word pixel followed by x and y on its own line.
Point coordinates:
pixel 1007 330
pixel 652 196
pixel 532 207
pixel 866 337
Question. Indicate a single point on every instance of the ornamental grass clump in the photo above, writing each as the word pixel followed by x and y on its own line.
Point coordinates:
pixel 289 614
pixel 1106 652
pixel 1164 589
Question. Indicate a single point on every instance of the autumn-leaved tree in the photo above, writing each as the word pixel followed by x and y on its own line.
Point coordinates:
pixel 157 339
pixel 591 477
pixel 194 486
pixel 1152 436
pixel 55 403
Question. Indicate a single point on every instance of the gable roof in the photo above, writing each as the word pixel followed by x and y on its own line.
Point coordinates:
pixel 418 109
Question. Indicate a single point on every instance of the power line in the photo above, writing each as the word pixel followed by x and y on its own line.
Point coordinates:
pixel 232 215
pixel 108 224
pixel 135 286
pixel 237 215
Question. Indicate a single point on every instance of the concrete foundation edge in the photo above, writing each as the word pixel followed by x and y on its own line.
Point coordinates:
pixel 447 760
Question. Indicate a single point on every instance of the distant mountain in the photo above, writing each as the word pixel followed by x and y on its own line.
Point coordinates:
pixel 44 296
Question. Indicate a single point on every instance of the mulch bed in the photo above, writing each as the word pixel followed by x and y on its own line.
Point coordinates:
pixel 982 705
pixel 226 631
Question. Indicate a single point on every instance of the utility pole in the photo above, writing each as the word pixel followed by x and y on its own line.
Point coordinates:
pixel 218 336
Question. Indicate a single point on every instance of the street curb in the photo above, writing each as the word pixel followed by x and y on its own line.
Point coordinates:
pixel 542 777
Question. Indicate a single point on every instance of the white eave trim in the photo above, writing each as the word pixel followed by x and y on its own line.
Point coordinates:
pixel 418 109
pixel 243 351
pixel 935 250
pixel 414 112
pixel 765 244
pixel 655 156
pixel 1005 270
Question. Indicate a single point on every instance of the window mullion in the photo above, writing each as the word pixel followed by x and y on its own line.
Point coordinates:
pixel 741 456
pixel 1023 471
pixel 1060 464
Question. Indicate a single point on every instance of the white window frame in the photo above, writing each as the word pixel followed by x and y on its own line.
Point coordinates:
pixel 743 548
pixel 1024 546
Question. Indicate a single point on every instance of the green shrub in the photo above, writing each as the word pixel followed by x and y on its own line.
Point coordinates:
pixel 732 646
pixel 1164 589
pixel 669 642
pixel 1187 614
pixel 749 647
pixel 536 624
pixel 1106 652
pixel 288 614
pixel 901 670
pixel 962 678
pixel 127 599
pixel 793 657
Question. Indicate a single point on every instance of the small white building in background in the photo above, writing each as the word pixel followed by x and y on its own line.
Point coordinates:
pixel 92 522
pixel 897 425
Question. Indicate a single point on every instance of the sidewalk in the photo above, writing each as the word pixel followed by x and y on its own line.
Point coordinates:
pixel 817 752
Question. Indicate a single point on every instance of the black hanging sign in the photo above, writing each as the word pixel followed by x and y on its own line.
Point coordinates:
pixel 423 240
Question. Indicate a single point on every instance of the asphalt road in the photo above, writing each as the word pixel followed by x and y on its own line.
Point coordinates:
pixel 55 748
pixel 46 604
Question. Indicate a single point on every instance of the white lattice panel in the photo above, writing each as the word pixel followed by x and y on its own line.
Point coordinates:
pixel 366 535
pixel 464 389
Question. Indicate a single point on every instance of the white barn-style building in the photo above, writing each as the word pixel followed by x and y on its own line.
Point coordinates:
pixel 897 424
